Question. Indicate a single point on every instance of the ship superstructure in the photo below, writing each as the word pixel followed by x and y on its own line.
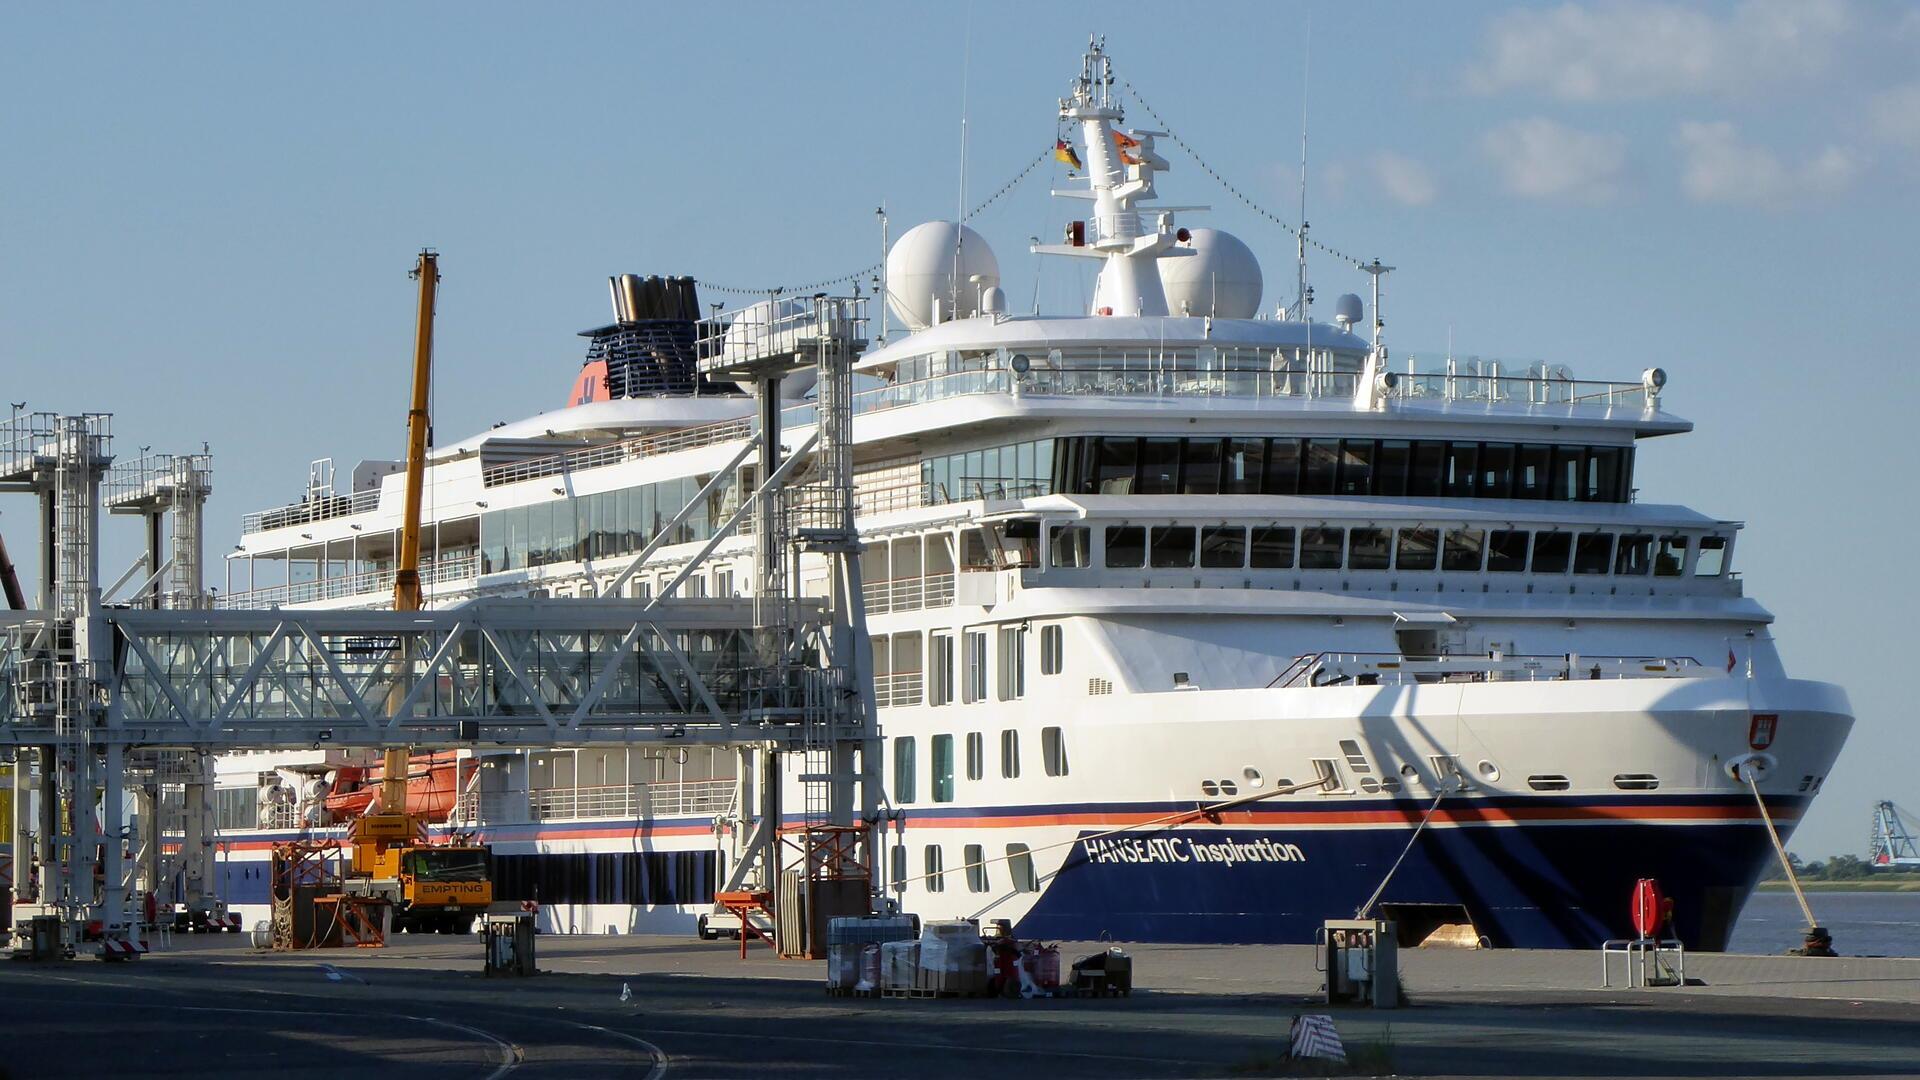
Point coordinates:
pixel 1183 615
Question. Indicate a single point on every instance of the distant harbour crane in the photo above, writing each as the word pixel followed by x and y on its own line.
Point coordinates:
pixel 1892 843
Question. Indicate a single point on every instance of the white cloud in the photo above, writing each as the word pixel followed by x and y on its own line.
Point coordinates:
pixel 1625 49
pixel 1402 179
pixel 1715 166
pixel 1894 115
pixel 1539 159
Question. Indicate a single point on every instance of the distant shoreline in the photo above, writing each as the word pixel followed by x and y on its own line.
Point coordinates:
pixel 1845 886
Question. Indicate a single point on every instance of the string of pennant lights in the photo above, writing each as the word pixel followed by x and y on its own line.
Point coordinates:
pixel 874 270
pixel 1291 228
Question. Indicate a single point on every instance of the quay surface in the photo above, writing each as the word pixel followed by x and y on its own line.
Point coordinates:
pixel 212 1006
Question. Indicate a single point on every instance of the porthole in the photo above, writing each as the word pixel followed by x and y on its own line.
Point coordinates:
pixel 1254 779
pixel 1489 770
pixel 1548 782
pixel 1636 781
pixel 1389 784
pixel 1409 771
pixel 1369 785
pixel 1228 787
pixel 1208 787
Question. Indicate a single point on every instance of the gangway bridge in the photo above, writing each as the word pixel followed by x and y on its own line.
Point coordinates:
pixel 108 701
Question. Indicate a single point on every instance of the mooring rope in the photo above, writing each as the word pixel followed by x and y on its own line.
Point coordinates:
pixel 1395 868
pixel 1779 849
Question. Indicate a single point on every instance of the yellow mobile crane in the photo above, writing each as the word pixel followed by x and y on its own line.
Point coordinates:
pixel 431 886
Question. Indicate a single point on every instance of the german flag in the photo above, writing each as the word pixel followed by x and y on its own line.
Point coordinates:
pixel 1062 151
pixel 1126 143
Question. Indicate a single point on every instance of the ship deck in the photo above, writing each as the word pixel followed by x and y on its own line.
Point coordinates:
pixel 214 1007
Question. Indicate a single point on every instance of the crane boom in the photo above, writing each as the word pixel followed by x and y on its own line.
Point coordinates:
pixel 406 571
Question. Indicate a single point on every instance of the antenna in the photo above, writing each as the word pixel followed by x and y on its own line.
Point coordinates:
pixel 881 212
pixel 1306 83
pixel 960 210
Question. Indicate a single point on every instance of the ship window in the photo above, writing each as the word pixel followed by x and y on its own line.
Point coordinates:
pixel 1462 550
pixel 1462 459
pixel 1568 468
pixel 1283 467
pixel 899 867
pixel 1172 547
pixel 1246 459
pixel 1496 472
pixel 1320 548
pixel 942 768
pixel 936 879
pixel 975 687
pixel 1418 549
pixel 1323 467
pixel 1712 558
pixel 975 552
pixel 1533 472
pixel 1159 467
pixel 976 858
pixel 1548 782
pixel 1270 547
pixel 1223 547
pixel 1051 649
pixel 903 770
pixel 1356 467
pixel 1507 551
pixel 1119 465
pixel 1634 555
pixel 939 669
pixel 539 534
pixel 1071 547
pixel 1369 549
pixel 1126 546
pixel 1551 551
pixel 1053 751
pixel 1020 868
pixel 1603 475
pixel 1200 469
pixel 1013 663
pixel 1010 754
pixel 1636 781
pixel 1593 553
pixel 1672 557
pixel 976 755
pixel 1390 467
pixel 1425 479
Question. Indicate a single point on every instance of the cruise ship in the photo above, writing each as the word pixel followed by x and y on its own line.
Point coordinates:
pixel 1193 619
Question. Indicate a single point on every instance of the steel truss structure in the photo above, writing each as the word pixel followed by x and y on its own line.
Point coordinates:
pixel 494 672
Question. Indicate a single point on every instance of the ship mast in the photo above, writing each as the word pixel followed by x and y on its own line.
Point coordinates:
pixel 1119 175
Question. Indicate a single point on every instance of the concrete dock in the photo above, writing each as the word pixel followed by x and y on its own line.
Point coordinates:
pixel 212 1006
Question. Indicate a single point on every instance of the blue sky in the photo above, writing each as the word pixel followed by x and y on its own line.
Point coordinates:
pixel 207 212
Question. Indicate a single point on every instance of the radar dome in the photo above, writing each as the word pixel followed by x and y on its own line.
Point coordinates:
pixel 937 261
pixel 1221 278
pixel 1349 310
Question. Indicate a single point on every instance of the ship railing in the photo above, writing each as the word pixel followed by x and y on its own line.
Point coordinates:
pixel 440 572
pixel 1396 669
pixel 594 457
pixel 319 508
pixel 900 688
pixel 908 593
pixel 698 797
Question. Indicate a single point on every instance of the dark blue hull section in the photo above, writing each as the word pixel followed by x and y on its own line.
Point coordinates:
pixel 1539 886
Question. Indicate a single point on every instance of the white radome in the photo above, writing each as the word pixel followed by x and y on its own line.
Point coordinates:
pixel 922 267
pixel 1221 278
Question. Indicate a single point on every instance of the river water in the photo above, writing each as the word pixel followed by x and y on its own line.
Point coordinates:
pixel 1862 923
